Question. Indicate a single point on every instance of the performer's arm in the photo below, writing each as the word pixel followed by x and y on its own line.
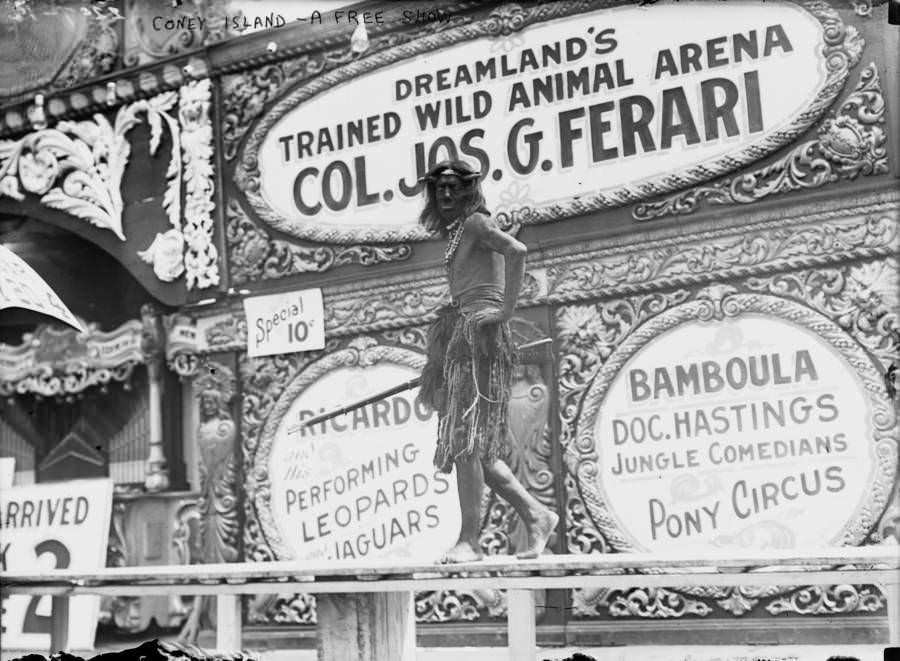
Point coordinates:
pixel 513 250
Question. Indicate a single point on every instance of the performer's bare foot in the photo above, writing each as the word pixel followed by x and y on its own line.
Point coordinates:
pixel 462 551
pixel 539 532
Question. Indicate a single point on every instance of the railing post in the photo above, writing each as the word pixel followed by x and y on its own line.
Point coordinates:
pixel 365 626
pixel 892 596
pixel 228 622
pixel 59 624
pixel 520 625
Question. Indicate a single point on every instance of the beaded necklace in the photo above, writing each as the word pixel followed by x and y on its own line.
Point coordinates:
pixel 456 230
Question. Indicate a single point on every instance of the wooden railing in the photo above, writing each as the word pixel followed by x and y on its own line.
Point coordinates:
pixel 350 581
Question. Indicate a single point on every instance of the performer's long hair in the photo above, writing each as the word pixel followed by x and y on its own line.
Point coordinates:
pixel 430 218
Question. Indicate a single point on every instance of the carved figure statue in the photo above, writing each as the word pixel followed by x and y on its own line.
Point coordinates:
pixel 218 503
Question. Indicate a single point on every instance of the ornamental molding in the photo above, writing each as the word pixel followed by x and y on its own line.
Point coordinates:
pixel 254 256
pixel 850 142
pixel 841 51
pixel 810 237
pixel 60 362
pixel 201 259
pixel 77 167
pixel 182 31
pixel 706 256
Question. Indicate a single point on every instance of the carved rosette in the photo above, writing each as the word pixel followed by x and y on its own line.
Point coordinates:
pixel 849 143
pixel 254 256
pixel 201 259
pixel 852 306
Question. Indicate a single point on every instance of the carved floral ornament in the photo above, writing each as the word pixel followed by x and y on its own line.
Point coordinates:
pixel 841 47
pixel 77 167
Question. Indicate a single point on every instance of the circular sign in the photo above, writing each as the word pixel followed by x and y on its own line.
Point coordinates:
pixel 361 485
pixel 749 432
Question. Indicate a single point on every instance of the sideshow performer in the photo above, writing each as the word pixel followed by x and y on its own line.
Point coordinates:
pixel 467 377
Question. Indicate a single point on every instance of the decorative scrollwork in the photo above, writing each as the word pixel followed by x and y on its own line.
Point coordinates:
pixel 864 7
pixel 685 261
pixel 654 603
pixel 201 259
pixel 505 20
pixel 77 167
pixel 98 52
pixel 848 144
pixel 459 606
pixel 829 600
pixel 254 256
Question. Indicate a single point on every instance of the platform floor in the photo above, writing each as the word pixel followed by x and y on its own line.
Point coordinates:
pixel 635 653
pixel 630 653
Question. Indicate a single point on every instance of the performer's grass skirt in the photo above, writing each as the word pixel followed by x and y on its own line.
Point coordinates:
pixel 467 380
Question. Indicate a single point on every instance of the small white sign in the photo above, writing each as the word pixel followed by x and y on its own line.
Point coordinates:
pixel 285 323
pixel 63 525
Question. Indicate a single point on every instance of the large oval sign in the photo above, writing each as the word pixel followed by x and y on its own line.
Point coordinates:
pixel 361 485
pixel 745 432
pixel 563 116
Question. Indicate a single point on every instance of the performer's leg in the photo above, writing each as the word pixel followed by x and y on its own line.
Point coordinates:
pixel 539 521
pixel 470 482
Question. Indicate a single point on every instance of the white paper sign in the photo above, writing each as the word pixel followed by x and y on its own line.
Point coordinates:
pixel 43 527
pixel 362 485
pixel 746 433
pixel 285 323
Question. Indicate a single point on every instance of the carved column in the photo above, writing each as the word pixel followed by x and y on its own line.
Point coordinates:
pixel 157 478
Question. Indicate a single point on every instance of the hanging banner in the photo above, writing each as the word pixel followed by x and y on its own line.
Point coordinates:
pixel 51 526
pixel 563 116
pixel 285 323
pixel 22 287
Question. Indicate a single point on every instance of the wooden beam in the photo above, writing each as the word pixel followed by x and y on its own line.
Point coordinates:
pixel 184 586
pixel 892 596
